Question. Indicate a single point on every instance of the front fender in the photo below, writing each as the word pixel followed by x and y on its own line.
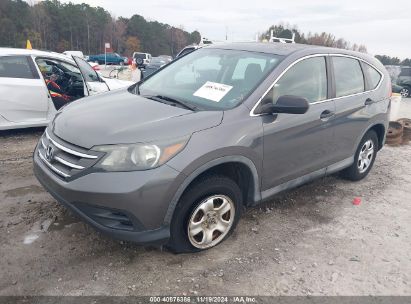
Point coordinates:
pixel 206 166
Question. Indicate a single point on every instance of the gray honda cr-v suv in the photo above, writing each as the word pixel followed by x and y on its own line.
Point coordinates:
pixel 175 159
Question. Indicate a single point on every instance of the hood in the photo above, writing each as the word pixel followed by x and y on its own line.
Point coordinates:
pixel 121 117
pixel 114 84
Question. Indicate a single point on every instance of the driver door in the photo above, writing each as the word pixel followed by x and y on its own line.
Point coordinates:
pixel 93 82
pixel 299 144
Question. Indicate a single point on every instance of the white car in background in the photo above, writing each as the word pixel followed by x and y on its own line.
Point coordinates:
pixel 74 53
pixel 35 84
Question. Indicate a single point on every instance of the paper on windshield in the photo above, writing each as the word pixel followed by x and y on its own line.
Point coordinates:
pixel 213 91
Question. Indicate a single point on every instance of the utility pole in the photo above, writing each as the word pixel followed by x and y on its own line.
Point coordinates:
pixel 226 33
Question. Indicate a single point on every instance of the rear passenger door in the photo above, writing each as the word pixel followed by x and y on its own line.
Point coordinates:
pixel 299 144
pixel 23 95
pixel 354 101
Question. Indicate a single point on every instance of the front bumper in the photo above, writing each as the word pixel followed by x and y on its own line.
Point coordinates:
pixel 129 206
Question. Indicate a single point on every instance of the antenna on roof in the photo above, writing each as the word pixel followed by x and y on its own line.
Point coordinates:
pixel 281 40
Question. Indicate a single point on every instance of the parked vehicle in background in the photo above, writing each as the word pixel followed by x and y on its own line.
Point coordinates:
pixel 205 41
pixel 404 80
pixel 141 59
pixel 166 57
pixel 396 88
pixel 74 53
pixel 95 66
pixel 155 64
pixel 175 159
pixel 35 84
pixel 109 58
pixel 190 48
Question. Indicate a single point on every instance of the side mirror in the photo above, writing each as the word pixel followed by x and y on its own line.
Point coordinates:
pixel 289 104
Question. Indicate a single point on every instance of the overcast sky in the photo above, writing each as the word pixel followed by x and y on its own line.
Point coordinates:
pixel 383 26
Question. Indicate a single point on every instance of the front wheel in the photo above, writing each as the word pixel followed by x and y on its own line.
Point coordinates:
pixel 364 157
pixel 206 214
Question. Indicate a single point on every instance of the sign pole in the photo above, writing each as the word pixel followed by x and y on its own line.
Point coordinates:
pixel 106 46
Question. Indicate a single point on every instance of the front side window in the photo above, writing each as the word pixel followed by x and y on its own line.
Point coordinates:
pixel 307 79
pixel 349 78
pixel 87 71
pixel 15 67
pixel 211 79
pixel 373 75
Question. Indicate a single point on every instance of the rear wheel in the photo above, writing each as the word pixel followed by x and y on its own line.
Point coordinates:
pixel 206 214
pixel 364 157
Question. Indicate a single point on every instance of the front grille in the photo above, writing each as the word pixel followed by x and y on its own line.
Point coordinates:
pixel 64 159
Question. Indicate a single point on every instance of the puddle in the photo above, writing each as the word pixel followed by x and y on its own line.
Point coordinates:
pixel 21 191
pixel 48 225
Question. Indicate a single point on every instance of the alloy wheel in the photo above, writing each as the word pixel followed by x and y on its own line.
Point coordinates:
pixel 211 221
pixel 405 92
pixel 365 156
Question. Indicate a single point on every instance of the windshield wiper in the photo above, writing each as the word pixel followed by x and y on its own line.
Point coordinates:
pixel 173 101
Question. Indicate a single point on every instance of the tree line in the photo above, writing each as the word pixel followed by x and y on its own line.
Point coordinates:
pixel 56 26
pixel 387 60
pixel 283 30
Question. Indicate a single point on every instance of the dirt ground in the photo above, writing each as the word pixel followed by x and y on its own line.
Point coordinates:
pixel 311 240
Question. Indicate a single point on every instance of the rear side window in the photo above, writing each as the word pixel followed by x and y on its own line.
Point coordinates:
pixel 373 75
pixel 15 67
pixel 349 78
pixel 307 79
pixel 140 55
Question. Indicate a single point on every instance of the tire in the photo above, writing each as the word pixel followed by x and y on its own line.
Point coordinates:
pixel 121 63
pixel 405 92
pixel 199 206
pixel 358 170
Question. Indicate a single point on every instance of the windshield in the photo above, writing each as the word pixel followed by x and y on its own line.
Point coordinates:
pixel 211 79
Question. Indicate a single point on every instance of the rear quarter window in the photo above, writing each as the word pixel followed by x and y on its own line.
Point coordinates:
pixel 15 67
pixel 374 77
pixel 349 78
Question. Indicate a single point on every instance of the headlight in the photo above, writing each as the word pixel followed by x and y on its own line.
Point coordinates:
pixel 140 156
